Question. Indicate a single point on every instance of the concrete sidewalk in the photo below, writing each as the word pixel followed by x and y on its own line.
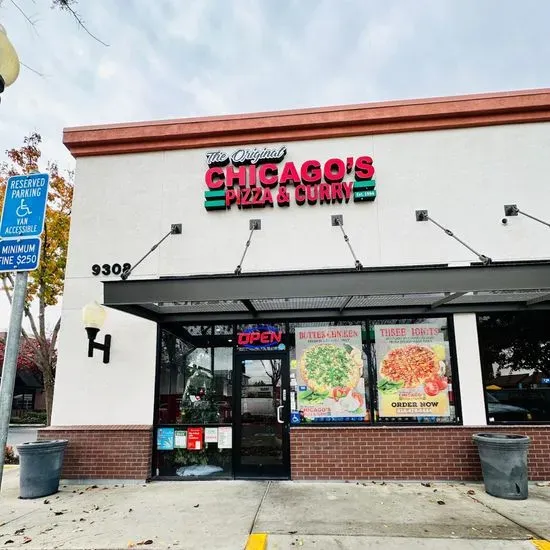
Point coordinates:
pixel 222 514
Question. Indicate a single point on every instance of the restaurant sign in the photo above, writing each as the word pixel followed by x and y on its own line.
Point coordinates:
pixel 256 178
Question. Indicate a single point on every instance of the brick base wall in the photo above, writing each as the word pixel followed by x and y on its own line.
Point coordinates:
pixel 104 452
pixel 403 453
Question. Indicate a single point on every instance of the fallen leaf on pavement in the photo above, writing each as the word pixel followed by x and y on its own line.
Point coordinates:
pixel 145 542
pixel 9 541
pixel 58 513
pixel 46 501
pixel 196 506
pixel 471 492
pixel 130 510
pixel 26 540
pixel 20 531
pixel 292 532
pixel 440 502
pixel 426 484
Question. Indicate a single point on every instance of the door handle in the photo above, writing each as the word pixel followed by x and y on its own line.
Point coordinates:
pixel 279 411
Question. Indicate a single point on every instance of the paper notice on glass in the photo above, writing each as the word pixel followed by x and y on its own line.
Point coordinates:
pixel 211 435
pixel 292 400
pixel 224 437
pixel 165 439
pixel 194 439
pixel 180 439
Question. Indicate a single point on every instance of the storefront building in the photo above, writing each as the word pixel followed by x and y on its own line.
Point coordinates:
pixel 312 319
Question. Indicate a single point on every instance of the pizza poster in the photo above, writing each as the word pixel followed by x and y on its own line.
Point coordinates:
pixel 329 374
pixel 411 363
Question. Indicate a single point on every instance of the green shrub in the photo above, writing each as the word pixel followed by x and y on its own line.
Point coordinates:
pixel 9 456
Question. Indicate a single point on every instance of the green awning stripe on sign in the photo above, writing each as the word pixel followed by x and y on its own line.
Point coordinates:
pixel 361 185
pixel 214 194
pixel 214 205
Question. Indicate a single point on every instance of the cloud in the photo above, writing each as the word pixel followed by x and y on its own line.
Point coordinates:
pixel 169 58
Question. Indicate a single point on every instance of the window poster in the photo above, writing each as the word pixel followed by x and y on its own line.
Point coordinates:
pixel 165 439
pixel 180 439
pixel 329 374
pixel 194 439
pixel 210 435
pixel 224 437
pixel 411 365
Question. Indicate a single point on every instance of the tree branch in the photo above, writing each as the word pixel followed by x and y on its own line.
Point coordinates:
pixel 32 23
pixel 31 69
pixel 66 5
pixel 6 288
pixel 55 333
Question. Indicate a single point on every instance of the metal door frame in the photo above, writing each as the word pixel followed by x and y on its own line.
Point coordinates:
pixel 247 472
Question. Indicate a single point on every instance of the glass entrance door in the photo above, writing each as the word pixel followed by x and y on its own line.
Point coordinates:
pixel 261 418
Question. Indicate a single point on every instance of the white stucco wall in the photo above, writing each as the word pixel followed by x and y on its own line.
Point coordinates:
pixel 124 203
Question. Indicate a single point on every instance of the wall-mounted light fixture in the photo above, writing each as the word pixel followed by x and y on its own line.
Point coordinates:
pixel 9 62
pixel 93 316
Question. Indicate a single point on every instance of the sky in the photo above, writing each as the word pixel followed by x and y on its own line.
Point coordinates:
pixel 181 58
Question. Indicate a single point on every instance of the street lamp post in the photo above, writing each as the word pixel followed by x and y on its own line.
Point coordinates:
pixel 9 61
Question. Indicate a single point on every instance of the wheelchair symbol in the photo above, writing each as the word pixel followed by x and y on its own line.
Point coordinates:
pixel 23 209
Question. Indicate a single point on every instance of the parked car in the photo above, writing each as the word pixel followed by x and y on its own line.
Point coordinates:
pixel 500 412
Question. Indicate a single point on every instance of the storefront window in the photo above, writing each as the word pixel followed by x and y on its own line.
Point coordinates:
pixel 412 370
pixel 329 375
pixel 193 437
pixel 515 361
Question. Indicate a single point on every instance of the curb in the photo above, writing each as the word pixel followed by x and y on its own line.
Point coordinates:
pixel 258 541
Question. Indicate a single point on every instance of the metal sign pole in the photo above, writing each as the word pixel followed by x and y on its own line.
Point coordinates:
pixel 9 368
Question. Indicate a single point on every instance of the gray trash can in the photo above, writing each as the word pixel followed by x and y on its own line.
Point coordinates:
pixel 504 464
pixel 40 467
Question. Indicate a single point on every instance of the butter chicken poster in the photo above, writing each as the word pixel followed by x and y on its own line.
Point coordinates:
pixel 411 366
pixel 329 373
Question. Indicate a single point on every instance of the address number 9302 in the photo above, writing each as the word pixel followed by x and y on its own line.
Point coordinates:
pixel 110 269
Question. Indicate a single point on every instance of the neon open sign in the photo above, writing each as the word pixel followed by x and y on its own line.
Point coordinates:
pixel 260 337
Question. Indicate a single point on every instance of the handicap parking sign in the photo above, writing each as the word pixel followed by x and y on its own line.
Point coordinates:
pixel 24 209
